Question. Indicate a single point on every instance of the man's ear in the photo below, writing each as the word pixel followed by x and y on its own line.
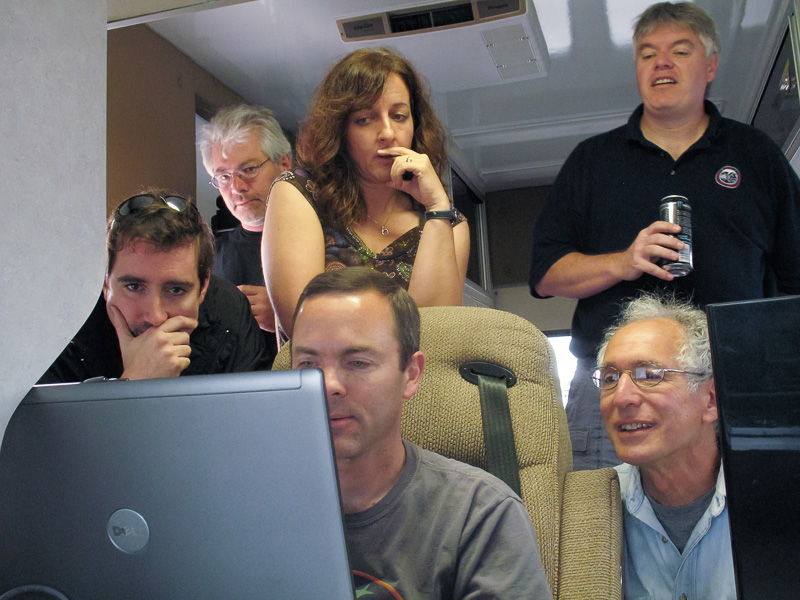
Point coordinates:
pixel 712 63
pixel 205 286
pixel 285 163
pixel 413 372
pixel 710 411
pixel 105 288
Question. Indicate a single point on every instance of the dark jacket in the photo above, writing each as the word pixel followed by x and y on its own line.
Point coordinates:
pixel 226 340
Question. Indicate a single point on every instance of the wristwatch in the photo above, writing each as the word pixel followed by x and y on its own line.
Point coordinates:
pixel 449 215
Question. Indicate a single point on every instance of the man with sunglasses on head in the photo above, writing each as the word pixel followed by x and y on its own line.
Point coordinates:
pixel 161 313
pixel 244 150
pixel 659 405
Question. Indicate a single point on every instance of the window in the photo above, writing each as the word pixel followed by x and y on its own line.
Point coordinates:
pixel 565 362
pixel 779 108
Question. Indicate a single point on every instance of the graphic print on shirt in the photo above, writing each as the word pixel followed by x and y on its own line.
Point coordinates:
pixel 729 177
pixel 367 586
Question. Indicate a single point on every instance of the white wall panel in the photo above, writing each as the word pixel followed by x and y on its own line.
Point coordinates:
pixel 52 168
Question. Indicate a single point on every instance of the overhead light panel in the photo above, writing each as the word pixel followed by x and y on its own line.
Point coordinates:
pixel 511 51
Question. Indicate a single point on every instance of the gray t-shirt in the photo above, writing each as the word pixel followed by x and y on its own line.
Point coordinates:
pixel 680 521
pixel 446 530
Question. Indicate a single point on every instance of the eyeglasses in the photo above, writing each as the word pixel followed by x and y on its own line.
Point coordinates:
pixel 140 201
pixel 224 180
pixel 606 378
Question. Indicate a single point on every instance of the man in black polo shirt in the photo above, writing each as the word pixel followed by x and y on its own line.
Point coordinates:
pixel 600 236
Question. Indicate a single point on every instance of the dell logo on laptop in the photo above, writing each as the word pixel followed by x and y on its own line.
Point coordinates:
pixel 128 531
pixel 116 531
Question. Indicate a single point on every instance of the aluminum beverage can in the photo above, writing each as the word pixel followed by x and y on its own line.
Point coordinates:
pixel 676 209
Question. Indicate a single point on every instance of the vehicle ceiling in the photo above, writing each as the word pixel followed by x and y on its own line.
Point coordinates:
pixel 504 134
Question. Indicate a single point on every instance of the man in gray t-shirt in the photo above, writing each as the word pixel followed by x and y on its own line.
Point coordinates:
pixel 417 525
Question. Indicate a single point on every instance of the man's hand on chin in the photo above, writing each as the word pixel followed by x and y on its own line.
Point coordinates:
pixel 161 351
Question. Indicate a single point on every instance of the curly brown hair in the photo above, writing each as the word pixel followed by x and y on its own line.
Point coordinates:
pixel 354 83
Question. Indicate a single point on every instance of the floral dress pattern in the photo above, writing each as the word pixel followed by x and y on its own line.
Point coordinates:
pixel 344 248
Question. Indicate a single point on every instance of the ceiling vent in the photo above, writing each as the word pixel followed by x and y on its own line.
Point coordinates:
pixel 474 43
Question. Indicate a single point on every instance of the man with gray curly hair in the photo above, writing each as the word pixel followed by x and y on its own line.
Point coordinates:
pixel 659 405
pixel 244 149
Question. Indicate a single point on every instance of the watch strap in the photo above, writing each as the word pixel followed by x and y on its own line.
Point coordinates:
pixel 449 215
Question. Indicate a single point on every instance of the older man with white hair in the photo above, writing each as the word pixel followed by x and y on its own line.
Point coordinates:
pixel 244 149
pixel 659 405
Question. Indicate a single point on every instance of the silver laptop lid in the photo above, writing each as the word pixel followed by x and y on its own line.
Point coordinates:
pixel 217 486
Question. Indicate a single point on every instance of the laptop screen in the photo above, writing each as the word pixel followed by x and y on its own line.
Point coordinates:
pixel 755 348
pixel 217 486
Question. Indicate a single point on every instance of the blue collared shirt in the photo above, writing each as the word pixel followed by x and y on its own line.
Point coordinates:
pixel 654 569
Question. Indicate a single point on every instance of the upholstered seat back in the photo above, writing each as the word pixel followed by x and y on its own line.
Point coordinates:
pixel 445 413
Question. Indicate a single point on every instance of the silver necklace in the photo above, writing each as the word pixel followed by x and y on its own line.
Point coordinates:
pixel 384 230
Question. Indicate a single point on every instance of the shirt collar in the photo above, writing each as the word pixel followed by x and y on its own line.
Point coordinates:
pixel 633 131
pixel 718 501
pixel 633 495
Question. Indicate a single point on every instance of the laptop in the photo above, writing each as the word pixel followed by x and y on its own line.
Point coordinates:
pixel 755 347
pixel 212 486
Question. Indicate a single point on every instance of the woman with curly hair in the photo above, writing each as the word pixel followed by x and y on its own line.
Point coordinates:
pixel 368 190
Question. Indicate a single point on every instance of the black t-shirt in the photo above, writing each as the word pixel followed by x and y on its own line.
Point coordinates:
pixel 239 261
pixel 239 257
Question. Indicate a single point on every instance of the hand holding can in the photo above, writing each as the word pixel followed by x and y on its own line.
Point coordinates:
pixel 676 209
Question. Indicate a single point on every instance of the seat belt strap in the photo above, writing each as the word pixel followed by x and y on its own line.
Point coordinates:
pixel 501 450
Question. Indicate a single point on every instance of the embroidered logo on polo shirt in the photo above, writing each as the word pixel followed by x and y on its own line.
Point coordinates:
pixel 729 177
